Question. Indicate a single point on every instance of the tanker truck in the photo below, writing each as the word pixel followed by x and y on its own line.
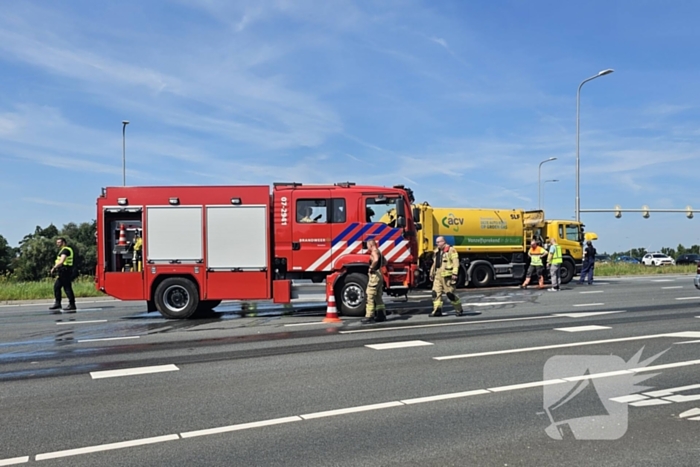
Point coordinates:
pixel 492 243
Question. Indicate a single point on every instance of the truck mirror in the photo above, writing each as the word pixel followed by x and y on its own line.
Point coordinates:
pixel 419 226
pixel 416 214
pixel 401 221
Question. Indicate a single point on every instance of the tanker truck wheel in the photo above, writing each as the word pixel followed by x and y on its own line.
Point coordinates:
pixel 482 275
pixel 567 272
pixel 351 295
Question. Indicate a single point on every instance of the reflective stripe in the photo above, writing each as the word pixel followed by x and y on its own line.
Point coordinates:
pixel 69 259
pixel 556 257
pixel 535 257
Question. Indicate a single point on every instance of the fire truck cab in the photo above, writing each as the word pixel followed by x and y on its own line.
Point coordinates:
pixel 185 249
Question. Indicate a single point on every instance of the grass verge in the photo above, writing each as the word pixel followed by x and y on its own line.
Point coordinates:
pixel 15 290
pixel 626 269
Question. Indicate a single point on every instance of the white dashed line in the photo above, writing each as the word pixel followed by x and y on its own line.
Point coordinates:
pixel 670 391
pixel 630 398
pixel 592 291
pixel 534 384
pixel 240 426
pixel 690 413
pixel 144 370
pixel 104 339
pixel 106 447
pixel 398 345
pixel 687 298
pixel 649 402
pixel 682 398
pixel 361 408
pixel 461 323
pixel 308 323
pixel 442 397
pixel 60 323
pixel 588 304
pixel 585 314
pixel 672 287
pixel 582 328
pixel 15 461
pixel 664 280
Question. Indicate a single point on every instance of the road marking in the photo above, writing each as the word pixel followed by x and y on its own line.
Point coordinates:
pixel 442 397
pixel 572 344
pixel 592 291
pixel 308 323
pixel 89 309
pixel 687 298
pixel 361 408
pixel 48 303
pixel 15 461
pixel 240 426
pixel 60 323
pixel 649 402
pixel 630 398
pixel 534 384
pixel 664 280
pixel 582 328
pixel 690 413
pixel 599 375
pixel 460 323
pixel 670 391
pixel 589 304
pixel 672 287
pixel 132 371
pixel 586 314
pixel 687 342
pixel 108 339
pixel 491 303
pixel 682 398
pixel 398 345
pixel 106 447
pixel 667 366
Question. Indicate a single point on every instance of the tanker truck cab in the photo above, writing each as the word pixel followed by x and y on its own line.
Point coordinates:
pixel 570 236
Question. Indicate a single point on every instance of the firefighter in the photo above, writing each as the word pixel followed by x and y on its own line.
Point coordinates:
pixel 307 216
pixel 444 273
pixel 64 267
pixel 375 311
pixel 536 254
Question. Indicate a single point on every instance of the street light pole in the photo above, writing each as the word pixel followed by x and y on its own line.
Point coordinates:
pixel 124 124
pixel 578 165
pixel 539 176
pixel 545 182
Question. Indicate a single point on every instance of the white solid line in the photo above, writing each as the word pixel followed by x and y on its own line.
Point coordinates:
pixel 15 461
pixel 671 391
pixel 240 426
pixel 588 304
pixel 361 408
pixel 108 339
pixel 81 322
pixel 106 447
pixel 687 342
pixel 686 334
pixel 672 287
pixel 592 291
pixel 133 371
pixel 533 384
pixel 668 365
pixel 649 402
pixel 441 397
pixel 630 398
pixel 557 346
pixel 308 323
pixel 586 314
pixel 582 328
pixel 460 323
pixel 398 345
pixel 600 375
pixel 690 413
pixel 687 298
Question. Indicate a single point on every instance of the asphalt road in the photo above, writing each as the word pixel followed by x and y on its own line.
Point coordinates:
pixel 607 374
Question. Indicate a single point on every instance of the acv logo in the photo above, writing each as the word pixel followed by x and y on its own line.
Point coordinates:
pixel 452 222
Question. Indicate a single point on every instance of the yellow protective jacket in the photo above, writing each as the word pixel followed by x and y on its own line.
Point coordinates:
pixel 445 262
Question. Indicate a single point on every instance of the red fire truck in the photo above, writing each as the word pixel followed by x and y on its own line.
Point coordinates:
pixel 199 245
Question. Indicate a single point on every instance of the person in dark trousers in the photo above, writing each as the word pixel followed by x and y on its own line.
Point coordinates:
pixel 588 263
pixel 64 268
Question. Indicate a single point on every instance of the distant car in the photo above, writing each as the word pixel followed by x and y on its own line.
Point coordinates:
pixel 688 259
pixel 602 259
pixel 657 259
pixel 627 259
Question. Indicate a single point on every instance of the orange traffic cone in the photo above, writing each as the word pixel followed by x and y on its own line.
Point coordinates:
pixel 122 235
pixel 331 310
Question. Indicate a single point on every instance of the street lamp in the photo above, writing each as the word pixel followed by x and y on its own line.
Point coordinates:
pixel 124 124
pixel 545 182
pixel 578 165
pixel 539 188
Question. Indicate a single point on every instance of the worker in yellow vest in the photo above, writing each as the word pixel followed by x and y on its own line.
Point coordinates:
pixel 444 273
pixel 555 260
pixel 536 254
pixel 64 267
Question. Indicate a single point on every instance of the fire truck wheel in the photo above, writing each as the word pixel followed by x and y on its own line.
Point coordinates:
pixel 352 295
pixel 177 298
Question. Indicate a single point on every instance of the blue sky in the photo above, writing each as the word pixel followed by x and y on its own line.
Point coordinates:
pixel 459 100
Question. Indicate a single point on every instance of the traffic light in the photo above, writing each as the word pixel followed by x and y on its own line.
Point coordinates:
pixel 645 211
pixel 618 211
pixel 689 212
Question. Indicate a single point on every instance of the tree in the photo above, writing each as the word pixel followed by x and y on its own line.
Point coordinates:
pixel 7 256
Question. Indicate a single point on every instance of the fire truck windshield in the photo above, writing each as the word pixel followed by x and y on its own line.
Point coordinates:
pixel 382 210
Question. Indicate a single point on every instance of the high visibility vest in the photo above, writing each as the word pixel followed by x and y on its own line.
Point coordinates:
pixel 536 256
pixel 69 259
pixel 556 257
